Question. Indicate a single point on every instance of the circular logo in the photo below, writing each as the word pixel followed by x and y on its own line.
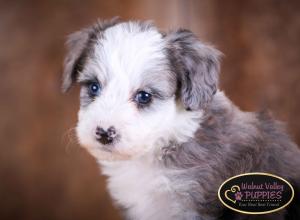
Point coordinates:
pixel 256 193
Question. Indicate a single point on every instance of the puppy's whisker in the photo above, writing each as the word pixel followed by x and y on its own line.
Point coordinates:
pixel 69 138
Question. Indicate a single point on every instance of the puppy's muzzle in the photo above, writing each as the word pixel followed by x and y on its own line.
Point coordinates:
pixel 106 136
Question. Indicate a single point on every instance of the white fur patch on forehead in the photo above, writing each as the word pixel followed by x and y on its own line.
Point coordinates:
pixel 129 48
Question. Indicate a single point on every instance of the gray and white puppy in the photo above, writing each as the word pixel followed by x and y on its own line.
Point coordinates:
pixel 166 137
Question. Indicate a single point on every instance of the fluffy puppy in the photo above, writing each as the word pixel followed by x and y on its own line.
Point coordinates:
pixel 165 136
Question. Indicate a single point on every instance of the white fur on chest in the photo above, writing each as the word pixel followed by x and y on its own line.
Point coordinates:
pixel 141 188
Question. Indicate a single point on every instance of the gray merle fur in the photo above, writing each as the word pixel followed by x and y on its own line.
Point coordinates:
pixel 229 142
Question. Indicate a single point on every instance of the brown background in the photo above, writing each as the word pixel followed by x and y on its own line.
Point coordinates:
pixel 43 172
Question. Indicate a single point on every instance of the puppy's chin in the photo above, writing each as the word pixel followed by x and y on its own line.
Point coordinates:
pixel 113 153
pixel 104 155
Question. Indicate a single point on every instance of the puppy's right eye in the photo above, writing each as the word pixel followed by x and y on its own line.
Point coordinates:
pixel 94 89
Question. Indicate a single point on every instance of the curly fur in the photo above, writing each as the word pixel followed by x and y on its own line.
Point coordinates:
pixel 170 157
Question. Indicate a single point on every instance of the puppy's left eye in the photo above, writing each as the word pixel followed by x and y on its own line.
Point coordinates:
pixel 93 88
pixel 143 98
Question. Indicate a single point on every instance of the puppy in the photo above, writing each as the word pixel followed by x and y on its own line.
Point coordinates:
pixel 166 137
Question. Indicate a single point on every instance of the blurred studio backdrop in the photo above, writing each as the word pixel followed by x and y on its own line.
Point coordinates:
pixel 43 172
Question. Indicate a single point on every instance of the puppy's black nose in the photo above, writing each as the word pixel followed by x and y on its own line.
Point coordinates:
pixel 105 136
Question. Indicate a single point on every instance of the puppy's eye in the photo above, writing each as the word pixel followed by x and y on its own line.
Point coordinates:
pixel 143 98
pixel 94 88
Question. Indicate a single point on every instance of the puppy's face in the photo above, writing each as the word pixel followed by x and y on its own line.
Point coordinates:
pixel 140 89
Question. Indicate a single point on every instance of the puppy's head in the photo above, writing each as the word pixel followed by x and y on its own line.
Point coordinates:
pixel 140 88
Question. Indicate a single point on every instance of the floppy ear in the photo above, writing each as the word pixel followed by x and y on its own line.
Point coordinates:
pixel 79 45
pixel 76 44
pixel 196 66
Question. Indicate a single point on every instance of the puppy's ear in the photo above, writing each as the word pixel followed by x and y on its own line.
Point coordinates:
pixel 196 66
pixel 79 45
pixel 76 44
